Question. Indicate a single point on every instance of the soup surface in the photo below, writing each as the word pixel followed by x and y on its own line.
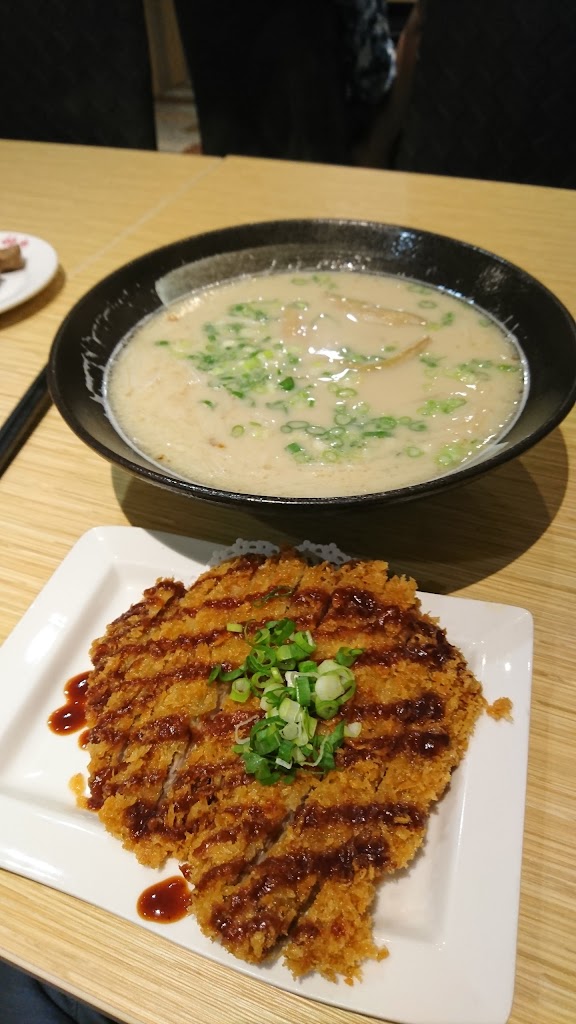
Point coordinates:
pixel 315 384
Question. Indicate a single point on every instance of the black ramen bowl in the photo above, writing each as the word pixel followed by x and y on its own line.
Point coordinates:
pixel 543 328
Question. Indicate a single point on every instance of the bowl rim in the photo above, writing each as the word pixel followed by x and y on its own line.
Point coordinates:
pixel 189 488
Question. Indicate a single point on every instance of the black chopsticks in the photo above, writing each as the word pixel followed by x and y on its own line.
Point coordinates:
pixel 25 416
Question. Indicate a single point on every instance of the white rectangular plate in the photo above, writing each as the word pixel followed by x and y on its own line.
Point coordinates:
pixel 449 922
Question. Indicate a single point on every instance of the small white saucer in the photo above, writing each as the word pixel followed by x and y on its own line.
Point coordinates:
pixel 16 286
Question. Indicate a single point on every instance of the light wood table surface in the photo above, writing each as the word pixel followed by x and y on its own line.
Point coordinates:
pixel 508 537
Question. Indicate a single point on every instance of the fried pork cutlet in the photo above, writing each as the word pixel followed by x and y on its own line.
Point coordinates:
pixel 149 690
pixel 291 867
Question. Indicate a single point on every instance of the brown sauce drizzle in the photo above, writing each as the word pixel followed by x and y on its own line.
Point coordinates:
pixel 150 606
pixel 165 902
pixel 255 820
pixel 253 825
pixel 160 647
pixel 71 717
pixel 162 730
pixel 288 870
pixel 98 783
pixel 138 818
pixel 428 707
pixel 224 603
pixel 205 782
pixel 353 601
pixel 423 640
pixel 223 724
pixel 230 869
pixel 310 595
pixel 425 744
pixel 307 931
pixel 313 815
pixel 436 653
pixel 144 818
pixel 163 646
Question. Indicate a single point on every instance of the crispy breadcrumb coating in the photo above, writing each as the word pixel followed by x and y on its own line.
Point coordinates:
pixel 287 869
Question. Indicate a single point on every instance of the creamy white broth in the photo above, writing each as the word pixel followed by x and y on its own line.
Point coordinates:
pixel 315 384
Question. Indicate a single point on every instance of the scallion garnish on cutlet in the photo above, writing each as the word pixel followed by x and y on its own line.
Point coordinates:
pixel 295 693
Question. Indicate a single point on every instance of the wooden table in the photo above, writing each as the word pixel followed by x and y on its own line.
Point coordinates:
pixel 508 537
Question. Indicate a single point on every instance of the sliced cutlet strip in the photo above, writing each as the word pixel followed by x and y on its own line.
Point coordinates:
pixel 342 831
pixel 107 652
pixel 251 917
pixel 240 817
pixel 433 701
pixel 167 597
pixel 127 643
pixel 335 937
pixel 141 729
pixel 154 600
pixel 109 710
pixel 126 660
pixel 209 760
pixel 200 778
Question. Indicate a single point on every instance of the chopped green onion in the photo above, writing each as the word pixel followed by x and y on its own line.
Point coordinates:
pixel 428 360
pixel 283 406
pixel 290 732
pixel 343 419
pixel 422 289
pixel 294 692
pixel 302 686
pixel 274 592
pixel 237 430
pixel 328 665
pixel 327 708
pixel 283 763
pixel 347 655
pixel 308 666
pixel 328 687
pixel 229 677
pixel 289 710
pixel 445 405
pixel 353 729
pixel 240 690
pixel 287 428
pixel 383 423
